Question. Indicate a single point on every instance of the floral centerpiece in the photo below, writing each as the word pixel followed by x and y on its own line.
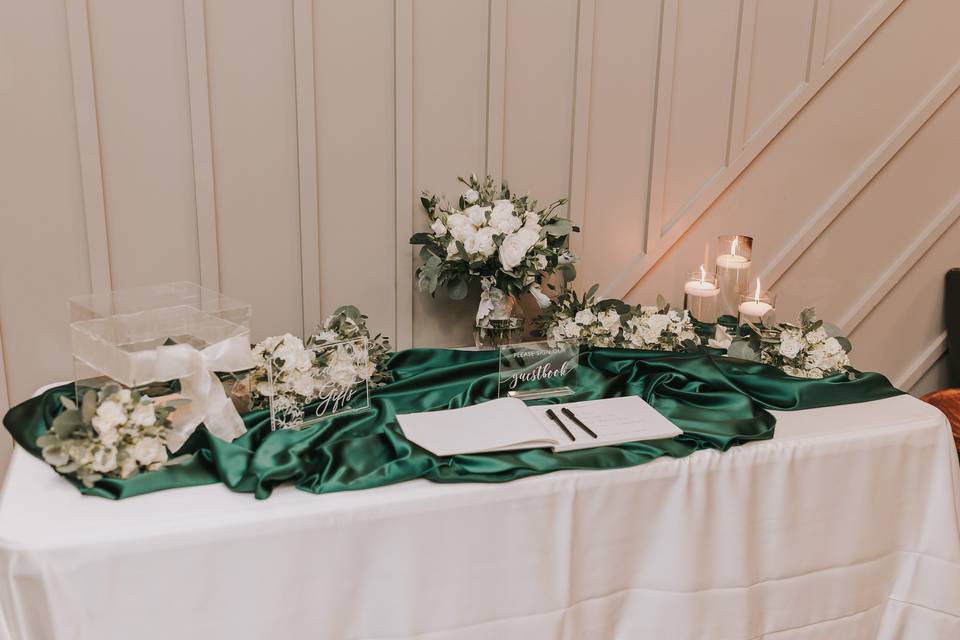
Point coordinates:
pixel 336 358
pixel 808 349
pixel 114 432
pixel 614 323
pixel 495 237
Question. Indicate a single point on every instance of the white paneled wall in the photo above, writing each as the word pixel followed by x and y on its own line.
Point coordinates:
pixel 276 151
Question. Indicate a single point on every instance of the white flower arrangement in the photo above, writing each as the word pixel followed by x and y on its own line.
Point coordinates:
pixel 115 432
pixel 808 349
pixel 339 356
pixel 613 323
pixel 496 237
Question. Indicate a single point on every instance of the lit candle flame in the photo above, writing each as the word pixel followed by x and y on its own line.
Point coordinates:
pixel 757 293
pixel 734 245
pixel 703 274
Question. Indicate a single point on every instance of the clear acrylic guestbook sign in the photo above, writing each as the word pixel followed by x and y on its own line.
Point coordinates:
pixel 533 370
pixel 335 380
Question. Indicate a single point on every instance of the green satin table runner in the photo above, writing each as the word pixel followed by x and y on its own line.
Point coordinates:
pixel 718 403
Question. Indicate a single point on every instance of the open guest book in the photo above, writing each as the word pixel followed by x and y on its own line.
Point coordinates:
pixel 507 424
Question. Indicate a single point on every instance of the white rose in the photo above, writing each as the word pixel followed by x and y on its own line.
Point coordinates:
pixel 790 347
pixel 476 214
pixel 570 328
pixel 109 415
pixel 327 335
pixel 144 415
pixel 481 243
pixel 80 454
pixel 502 218
pixel 832 346
pixel 438 228
pixel 515 247
pixel 265 389
pixel 123 396
pixel 110 437
pixel 817 336
pixel 149 451
pixel 343 375
pixel 531 221
pixel 585 317
pixel 452 249
pixel 566 258
pixel 721 339
pixel 541 262
pixel 658 322
pixel 302 383
pixel 471 196
pixel 610 320
pixel 460 226
pixel 105 460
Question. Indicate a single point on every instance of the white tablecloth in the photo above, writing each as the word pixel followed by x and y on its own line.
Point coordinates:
pixel 846 526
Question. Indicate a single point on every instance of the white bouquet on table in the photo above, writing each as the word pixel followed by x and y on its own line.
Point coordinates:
pixel 497 238
pixel 614 323
pixel 808 349
pixel 114 432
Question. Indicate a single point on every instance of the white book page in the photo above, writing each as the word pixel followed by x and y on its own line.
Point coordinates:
pixel 498 425
pixel 614 420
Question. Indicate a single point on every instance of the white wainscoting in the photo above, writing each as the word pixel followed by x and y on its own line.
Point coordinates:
pixel 277 150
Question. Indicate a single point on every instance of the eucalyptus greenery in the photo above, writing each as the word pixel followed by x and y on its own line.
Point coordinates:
pixel 614 323
pixel 115 432
pixel 495 236
pixel 810 348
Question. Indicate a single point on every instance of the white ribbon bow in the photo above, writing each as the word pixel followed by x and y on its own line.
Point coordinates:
pixel 209 403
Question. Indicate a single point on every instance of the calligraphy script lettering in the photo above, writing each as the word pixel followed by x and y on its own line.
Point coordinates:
pixel 543 371
pixel 333 400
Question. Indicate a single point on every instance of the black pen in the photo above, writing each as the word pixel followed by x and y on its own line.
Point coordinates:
pixel 570 415
pixel 553 416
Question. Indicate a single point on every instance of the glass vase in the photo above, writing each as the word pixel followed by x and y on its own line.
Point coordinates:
pixel 504 325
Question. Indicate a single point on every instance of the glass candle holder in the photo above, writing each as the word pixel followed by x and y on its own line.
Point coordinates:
pixel 754 305
pixel 733 271
pixel 701 296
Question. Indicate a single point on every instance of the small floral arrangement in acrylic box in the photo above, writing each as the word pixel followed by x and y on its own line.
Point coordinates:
pixel 303 384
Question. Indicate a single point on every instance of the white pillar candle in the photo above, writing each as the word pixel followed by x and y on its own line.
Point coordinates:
pixel 700 296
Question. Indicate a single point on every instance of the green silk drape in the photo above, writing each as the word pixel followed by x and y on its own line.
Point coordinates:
pixel 718 403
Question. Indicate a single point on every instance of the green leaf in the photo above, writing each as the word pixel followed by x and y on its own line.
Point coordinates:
pixel 457 289
pixel 420 238
pixel 768 320
pixel 568 272
pixel 808 316
pixel 349 311
pixel 559 228
pixel 66 423
pixel 68 403
pixel 89 406
pixel 741 349
pixel 832 330
pixel 661 301
pixel 845 343
pixel 591 292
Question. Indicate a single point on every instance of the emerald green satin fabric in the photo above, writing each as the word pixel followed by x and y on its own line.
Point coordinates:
pixel 717 402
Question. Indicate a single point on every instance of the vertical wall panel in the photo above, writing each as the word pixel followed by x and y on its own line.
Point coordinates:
pixel 449 134
pixel 254 122
pixel 140 74
pixel 43 252
pixel 699 118
pixel 540 61
pixel 355 129
pixel 781 46
pixel 618 157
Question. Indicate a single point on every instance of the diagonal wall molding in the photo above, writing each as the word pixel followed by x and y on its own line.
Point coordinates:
pixel 198 87
pixel 922 363
pixel 88 143
pixel 860 178
pixel 899 267
pixel 819 76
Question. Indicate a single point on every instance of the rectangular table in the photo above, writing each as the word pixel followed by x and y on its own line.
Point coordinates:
pixel 845 526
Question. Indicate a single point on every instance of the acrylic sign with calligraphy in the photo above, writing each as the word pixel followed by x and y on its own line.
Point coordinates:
pixel 336 381
pixel 532 370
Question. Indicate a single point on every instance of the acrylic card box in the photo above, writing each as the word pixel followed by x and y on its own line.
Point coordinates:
pixel 116 335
